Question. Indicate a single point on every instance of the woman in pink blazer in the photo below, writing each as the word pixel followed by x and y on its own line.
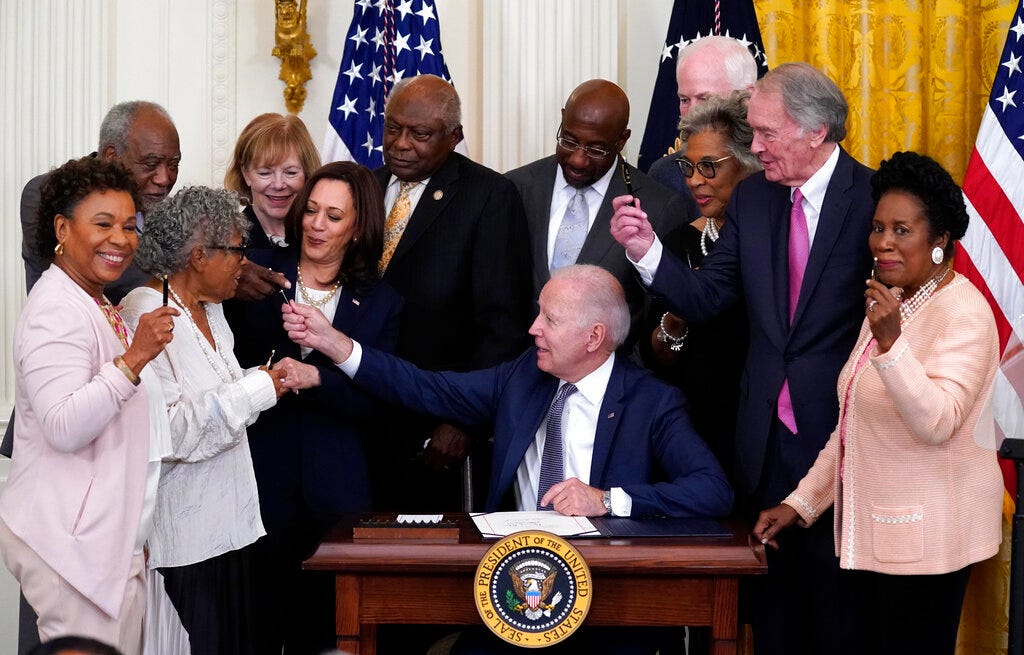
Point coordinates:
pixel 911 467
pixel 90 426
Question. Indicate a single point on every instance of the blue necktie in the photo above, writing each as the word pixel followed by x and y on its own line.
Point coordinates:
pixel 552 466
pixel 572 232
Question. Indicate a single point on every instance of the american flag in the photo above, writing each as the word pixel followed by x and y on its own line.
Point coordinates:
pixel 991 254
pixel 690 20
pixel 386 42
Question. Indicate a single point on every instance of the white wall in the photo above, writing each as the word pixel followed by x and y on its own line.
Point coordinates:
pixel 63 63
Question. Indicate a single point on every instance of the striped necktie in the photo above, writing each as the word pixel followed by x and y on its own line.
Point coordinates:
pixel 552 464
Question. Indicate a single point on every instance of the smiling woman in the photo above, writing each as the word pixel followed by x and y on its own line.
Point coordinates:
pixel 273 157
pixel 89 425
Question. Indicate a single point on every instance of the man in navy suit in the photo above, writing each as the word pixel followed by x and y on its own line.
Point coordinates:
pixel 593 131
pixel 456 250
pixel 812 208
pixel 627 446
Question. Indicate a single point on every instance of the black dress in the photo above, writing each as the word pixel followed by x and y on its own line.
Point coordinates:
pixel 709 366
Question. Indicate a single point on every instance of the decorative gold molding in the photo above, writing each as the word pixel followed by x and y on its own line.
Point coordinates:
pixel 294 48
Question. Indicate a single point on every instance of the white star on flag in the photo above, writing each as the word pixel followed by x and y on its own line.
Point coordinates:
pixel 356 120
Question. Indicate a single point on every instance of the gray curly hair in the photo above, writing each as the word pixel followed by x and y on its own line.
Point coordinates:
pixel 195 216
pixel 727 116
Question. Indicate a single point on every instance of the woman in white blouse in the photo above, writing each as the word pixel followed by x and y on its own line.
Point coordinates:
pixel 207 511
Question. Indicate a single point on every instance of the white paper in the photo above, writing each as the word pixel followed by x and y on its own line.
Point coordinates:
pixel 502 524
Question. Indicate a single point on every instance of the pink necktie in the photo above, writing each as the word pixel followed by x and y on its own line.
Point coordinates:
pixel 799 246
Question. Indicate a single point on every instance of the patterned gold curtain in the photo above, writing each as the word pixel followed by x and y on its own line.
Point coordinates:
pixel 917 75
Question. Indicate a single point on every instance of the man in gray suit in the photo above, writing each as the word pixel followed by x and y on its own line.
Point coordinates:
pixel 568 195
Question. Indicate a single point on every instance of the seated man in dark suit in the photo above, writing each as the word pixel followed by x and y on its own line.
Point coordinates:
pixel 568 195
pixel 615 441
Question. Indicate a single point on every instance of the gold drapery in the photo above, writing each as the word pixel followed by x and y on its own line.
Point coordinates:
pixel 917 74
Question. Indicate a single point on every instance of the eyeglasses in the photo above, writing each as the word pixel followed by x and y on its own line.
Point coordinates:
pixel 706 167
pixel 593 152
pixel 238 250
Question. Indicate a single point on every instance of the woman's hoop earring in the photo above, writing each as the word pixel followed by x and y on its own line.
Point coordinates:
pixel 938 254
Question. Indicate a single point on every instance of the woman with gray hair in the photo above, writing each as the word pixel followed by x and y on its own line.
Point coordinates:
pixel 207 512
pixel 705 361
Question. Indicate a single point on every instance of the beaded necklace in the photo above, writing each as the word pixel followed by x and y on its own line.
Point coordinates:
pixel 309 296
pixel 912 304
pixel 204 345
pixel 710 231
pixel 115 320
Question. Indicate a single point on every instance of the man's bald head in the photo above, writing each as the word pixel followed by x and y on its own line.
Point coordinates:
pixel 594 130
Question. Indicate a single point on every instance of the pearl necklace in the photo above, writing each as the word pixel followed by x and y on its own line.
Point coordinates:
pixel 912 304
pixel 309 296
pixel 710 231
pixel 204 345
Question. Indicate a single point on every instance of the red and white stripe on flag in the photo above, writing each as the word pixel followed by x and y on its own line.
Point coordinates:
pixel 991 254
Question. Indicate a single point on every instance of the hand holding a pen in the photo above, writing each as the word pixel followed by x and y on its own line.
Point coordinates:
pixel 308 327
pixel 631 228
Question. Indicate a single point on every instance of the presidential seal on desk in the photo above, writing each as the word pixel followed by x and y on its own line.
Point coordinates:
pixel 533 589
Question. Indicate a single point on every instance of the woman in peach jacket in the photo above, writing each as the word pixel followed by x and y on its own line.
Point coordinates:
pixel 911 467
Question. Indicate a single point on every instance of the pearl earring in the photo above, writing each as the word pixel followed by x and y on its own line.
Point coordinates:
pixel 938 254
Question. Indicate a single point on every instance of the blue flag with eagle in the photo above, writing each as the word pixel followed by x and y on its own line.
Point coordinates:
pixel 692 19
pixel 386 41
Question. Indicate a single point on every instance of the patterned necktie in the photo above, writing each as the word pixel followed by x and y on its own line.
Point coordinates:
pixel 552 466
pixel 395 224
pixel 799 246
pixel 572 232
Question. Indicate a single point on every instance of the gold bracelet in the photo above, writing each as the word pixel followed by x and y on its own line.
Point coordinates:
pixel 128 372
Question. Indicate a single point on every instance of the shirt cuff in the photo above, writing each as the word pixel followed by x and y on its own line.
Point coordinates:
pixel 647 267
pixel 259 386
pixel 351 365
pixel 622 504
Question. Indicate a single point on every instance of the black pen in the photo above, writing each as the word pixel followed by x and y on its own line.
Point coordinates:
pixel 629 181
pixel 166 287
pixel 874 270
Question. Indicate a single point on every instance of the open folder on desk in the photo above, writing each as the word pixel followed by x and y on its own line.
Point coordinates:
pixel 493 525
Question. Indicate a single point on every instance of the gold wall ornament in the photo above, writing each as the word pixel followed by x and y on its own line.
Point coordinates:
pixel 293 47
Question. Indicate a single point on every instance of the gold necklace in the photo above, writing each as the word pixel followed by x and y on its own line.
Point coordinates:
pixel 309 296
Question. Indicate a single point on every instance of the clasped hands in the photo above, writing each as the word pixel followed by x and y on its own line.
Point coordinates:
pixel 307 326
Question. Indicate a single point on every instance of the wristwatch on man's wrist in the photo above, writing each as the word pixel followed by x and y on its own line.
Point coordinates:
pixel 607 498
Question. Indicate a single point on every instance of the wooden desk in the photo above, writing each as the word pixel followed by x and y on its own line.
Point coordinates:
pixel 657 581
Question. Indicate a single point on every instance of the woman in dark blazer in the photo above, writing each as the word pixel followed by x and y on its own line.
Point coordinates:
pixel 309 452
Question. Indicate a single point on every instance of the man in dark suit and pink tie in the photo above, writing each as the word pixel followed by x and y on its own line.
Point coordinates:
pixel 795 250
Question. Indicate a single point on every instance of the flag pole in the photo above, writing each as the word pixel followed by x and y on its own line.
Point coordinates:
pixel 1013 449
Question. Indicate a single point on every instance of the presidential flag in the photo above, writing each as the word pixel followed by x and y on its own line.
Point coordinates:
pixel 386 42
pixel 991 254
pixel 692 19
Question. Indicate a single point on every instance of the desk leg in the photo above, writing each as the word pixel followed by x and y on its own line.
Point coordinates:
pixel 353 637
pixel 725 618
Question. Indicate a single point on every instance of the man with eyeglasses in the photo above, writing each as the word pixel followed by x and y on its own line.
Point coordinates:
pixel 568 195
pixel 794 249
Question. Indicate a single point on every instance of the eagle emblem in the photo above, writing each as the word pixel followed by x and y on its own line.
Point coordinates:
pixel 532 582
